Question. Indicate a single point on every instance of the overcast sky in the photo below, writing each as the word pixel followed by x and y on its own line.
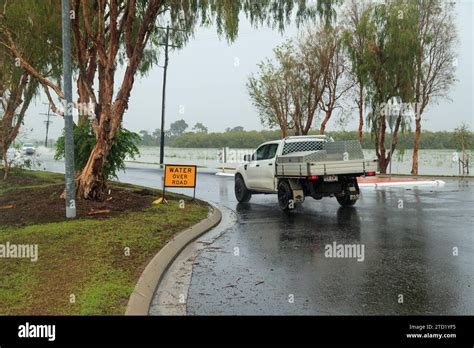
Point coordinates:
pixel 206 83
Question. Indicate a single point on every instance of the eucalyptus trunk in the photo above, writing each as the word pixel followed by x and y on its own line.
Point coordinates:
pixel 327 116
pixel 416 146
pixel 361 112
pixel 91 184
pixel 5 163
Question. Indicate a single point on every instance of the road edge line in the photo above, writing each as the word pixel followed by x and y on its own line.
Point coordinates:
pixel 140 300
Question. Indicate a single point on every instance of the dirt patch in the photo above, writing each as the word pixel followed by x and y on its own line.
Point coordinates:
pixel 43 205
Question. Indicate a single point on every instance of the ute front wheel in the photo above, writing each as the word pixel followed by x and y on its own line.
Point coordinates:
pixel 242 194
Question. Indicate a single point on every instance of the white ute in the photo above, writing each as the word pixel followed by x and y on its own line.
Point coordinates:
pixel 301 166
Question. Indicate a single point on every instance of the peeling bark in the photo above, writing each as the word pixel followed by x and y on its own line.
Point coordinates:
pixel 327 116
pixel 414 166
pixel 360 105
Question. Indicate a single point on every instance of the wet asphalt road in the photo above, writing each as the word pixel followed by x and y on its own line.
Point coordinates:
pixel 270 262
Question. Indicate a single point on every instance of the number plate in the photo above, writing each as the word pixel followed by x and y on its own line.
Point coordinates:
pixel 330 178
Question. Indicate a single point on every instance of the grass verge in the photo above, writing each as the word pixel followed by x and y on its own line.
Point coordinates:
pixel 87 266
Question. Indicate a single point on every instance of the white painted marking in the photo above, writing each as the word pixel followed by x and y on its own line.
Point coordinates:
pixel 405 183
pixel 225 174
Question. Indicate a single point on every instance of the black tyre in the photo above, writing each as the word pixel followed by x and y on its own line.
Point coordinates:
pixel 346 200
pixel 242 194
pixel 285 196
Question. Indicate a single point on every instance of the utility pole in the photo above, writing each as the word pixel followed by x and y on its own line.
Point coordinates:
pixel 68 121
pixel 47 122
pixel 163 97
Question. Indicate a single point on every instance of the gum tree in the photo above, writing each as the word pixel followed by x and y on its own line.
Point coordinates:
pixel 17 89
pixel 177 128
pixel 338 82
pixel 200 128
pixel 435 60
pixel 355 39
pixel 271 90
pixel 39 46
pixel 400 49
pixel 390 66
pixel 303 78
pixel 108 33
pixel 463 135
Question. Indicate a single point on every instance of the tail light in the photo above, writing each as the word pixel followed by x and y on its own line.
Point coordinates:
pixel 313 177
pixel 370 173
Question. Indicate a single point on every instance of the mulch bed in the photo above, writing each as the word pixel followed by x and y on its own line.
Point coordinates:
pixel 44 205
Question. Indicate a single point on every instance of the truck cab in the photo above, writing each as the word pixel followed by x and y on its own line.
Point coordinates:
pixel 259 172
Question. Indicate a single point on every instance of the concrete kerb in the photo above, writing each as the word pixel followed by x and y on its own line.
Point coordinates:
pixel 142 295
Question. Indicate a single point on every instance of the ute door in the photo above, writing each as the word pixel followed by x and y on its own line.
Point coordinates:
pixel 253 168
pixel 266 169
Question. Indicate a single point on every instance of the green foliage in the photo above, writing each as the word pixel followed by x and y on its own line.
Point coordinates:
pixel 84 141
pixel 36 25
pixel 36 30
pixel 225 15
pixel 244 139
pixel 251 139
pixel 355 39
pixel 464 137
pixel 147 139
pixel 178 128
pixel 234 129
pixel 36 40
pixel 305 78
pixel 200 128
pixel 390 60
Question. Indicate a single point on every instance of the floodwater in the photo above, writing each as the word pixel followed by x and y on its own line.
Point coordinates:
pixel 431 162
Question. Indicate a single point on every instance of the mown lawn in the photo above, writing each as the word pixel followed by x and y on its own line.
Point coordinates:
pixel 87 266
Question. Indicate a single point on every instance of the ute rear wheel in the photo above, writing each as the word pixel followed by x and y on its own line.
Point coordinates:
pixel 285 196
pixel 242 194
pixel 346 200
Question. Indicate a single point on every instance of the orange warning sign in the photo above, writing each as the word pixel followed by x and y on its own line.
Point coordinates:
pixel 180 176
